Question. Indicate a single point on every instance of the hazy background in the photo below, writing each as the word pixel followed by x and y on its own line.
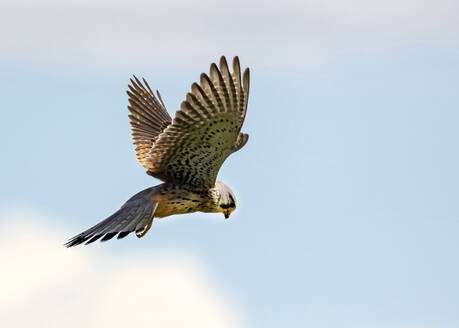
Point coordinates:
pixel 348 212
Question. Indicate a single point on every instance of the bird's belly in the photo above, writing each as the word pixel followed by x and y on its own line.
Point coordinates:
pixel 166 209
pixel 177 205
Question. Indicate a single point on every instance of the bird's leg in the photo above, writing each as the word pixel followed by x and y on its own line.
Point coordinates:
pixel 142 233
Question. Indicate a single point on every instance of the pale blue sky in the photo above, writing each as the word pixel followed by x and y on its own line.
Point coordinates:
pixel 347 190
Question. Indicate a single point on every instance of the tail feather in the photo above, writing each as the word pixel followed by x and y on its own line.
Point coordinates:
pixel 132 223
pixel 136 214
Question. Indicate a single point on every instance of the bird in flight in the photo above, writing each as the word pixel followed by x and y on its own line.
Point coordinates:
pixel 186 152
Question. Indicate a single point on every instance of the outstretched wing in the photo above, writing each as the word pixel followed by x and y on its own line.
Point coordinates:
pixel 148 117
pixel 206 129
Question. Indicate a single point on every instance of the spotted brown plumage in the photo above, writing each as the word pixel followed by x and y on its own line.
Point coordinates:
pixel 185 152
pixel 148 118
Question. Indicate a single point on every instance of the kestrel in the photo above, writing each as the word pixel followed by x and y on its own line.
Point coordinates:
pixel 186 153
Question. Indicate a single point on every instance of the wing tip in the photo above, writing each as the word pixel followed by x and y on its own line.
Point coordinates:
pixel 223 62
pixel 246 79
pixel 236 65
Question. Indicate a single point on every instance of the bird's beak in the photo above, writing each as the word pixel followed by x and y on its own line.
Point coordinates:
pixel 227 214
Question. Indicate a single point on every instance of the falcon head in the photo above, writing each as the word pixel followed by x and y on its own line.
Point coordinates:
pixel 226 199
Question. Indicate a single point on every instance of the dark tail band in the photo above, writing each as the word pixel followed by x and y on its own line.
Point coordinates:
pixel 135 215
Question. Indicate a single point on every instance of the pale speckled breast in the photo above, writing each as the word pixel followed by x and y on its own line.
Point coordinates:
pixel 176 199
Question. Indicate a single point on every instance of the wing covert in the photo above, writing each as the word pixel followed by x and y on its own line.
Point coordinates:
pixel 206 129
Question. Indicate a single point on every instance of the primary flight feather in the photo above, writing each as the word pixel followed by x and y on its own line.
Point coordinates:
pixel 185 152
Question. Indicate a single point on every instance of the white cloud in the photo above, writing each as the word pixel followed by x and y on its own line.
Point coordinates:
pixel 147 34
pixel 44 284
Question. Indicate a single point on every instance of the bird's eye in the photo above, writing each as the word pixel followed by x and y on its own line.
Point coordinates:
pixel 226 206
